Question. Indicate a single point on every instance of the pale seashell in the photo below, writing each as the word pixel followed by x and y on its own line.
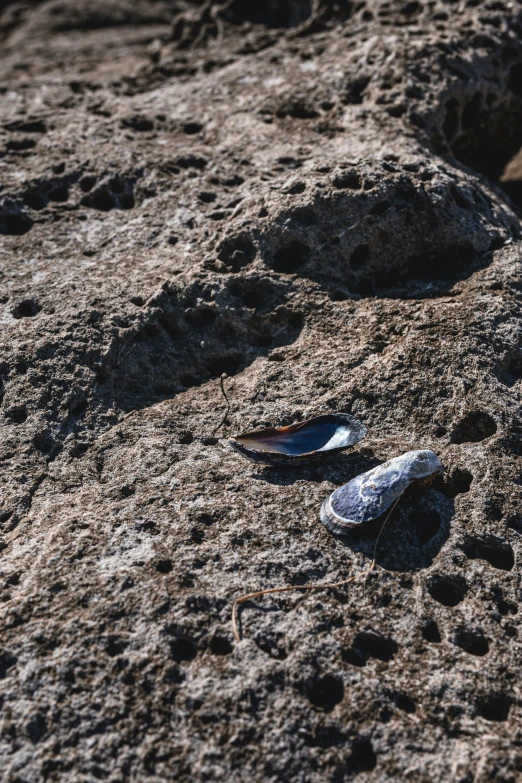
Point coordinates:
pixel 368 496
pixel 306 441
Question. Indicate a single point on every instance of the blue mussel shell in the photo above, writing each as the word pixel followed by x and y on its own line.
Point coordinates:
pixel 368 496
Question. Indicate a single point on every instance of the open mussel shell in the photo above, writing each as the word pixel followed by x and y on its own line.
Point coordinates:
pixel 306 441
pixel 368 496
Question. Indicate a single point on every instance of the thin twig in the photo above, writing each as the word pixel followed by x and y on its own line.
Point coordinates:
pixel 325 586
pixel 223 420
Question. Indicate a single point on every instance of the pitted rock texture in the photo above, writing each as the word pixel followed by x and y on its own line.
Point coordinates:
pixel 321 200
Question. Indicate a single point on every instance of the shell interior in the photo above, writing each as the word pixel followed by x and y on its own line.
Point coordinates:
pixel 321 434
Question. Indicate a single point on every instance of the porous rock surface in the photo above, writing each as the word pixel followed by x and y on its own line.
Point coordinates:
pixel 319 199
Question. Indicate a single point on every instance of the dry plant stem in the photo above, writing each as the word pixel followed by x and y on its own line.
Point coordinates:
pixel 326 586
pixel 223 420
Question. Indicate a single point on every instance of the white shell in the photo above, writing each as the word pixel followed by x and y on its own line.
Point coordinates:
pixel 368 496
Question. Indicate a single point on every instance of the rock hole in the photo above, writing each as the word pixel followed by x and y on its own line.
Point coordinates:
pixel 292 163
pixel 186 437
pixel 290 257
pixel 458 482
pixel 17 414
pixel 19 145
pixel 182 648
pixel 298 109
pixel 251 299
pixel 368 644
pixel 44 442
pixel 87 183
pixel 116 185
pixel 7 660
pixel 127 201
pixel 485 138
pixel 355 90
pixel 192 128
pixel 102 200
pixel 254 293
pixel 37 728
pixel 447 590
pixel 15 223
pixel 59 194
pixel 494 707
pixel 325 692
pixel 405 703
pixel 270 13
pixel 164 566
pixel 220 645
pixel 494 551
pixel 35 200
pixel 503 606
pixel 305 216
pixel 115 645
pixel 237 252
pixel 360 256
pixel 362 758
pixel 191 162
pixel 206 197
pixel 234 181
pixel 411 8
pixel 471 640
pixel 296 189
pixel 476 426
pixel 430 632
pixel 348 180
pixel 28 126
pixel 27 308
pixel 79 408
pixel 138 123
pixel 509 371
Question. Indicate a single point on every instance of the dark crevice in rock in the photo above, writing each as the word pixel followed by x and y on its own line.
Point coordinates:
pixel 368 644
pixel 471 640
pixel 494 551
pixel 325 692
pixel 430 632
pixel 447 590
pixel 473 428
pixel 494 706
pixel 14 221
pixel 457 482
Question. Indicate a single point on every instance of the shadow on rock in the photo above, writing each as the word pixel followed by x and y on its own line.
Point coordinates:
pixel 338 469
pixel 414 534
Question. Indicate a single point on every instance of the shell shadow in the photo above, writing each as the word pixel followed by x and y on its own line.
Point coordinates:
pixel 338 469
pixel 414 534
